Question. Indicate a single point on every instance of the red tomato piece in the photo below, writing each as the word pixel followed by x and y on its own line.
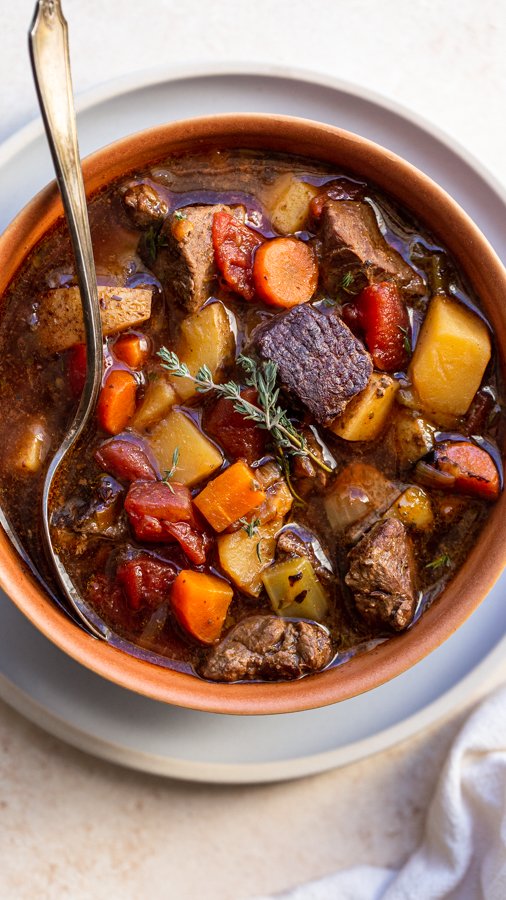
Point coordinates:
pixel 474 469
pixel 194 543
pixel 239 437
pixel 145 581
pixel 381 313
pixel 163 513
pixel 125 460
pixel 76 367
pixel 234 251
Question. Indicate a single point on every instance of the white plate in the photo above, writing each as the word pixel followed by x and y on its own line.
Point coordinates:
pixel 83 709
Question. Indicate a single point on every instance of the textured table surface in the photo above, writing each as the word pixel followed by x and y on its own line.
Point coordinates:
pixel 72 826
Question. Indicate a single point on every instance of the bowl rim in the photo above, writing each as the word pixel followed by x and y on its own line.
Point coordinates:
pixel 428 202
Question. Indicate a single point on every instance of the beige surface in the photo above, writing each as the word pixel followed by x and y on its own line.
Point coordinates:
pixel 73 826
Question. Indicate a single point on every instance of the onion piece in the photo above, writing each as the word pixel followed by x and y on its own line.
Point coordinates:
pixel 429 476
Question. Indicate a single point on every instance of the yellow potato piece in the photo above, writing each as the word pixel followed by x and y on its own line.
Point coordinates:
pixel 198 457
pixel 32 447
pixel 412 436
pixel 244 558
pixel 366 416
pixel 414 509
pixel 61 317
pixel 160 396
pixel 294 589
pixel 450 357
pixel 287 203
pixel 206 339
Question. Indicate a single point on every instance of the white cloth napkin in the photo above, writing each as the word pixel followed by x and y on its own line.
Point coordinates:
pixel 463 853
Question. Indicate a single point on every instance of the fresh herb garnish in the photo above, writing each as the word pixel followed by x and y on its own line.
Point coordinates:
pixel 406 341
pixel 258 552
pixel 179 216
pixel 250 528
pixel 347 281
pixel 440 562
pixel 169 473
pixel 267 415
pixel 152 241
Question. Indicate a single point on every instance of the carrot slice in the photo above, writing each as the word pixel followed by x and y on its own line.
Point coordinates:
pixel 132 349
pixel 116 403
pixel 231 495
pixel 285 272
pixel 200 603
pixel 473 468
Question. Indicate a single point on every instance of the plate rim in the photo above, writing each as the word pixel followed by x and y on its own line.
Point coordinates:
pixel 230 773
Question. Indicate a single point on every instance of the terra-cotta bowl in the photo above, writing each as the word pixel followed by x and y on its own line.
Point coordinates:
pixel 444 219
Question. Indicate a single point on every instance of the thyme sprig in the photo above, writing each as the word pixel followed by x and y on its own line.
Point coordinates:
pixel 169 473
pixel 251 527
pixel 268 414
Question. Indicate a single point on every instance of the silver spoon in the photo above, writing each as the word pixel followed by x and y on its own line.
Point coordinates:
pixel 50 58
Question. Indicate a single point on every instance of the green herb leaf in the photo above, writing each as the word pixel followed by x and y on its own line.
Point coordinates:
pixel 250 528
pixel 347 280
pixel 258 552
pixel 179 216
pixel 169 473
pixel 443 561
pixel 406 341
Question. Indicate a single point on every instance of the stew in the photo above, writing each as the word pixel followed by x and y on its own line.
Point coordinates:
pixel 296 441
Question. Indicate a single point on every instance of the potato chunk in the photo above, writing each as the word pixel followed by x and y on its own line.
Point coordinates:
pixel 414 509
pixel 366 416
pixel 287 202
pixel 294 589
pixel 206 339
pixel 61 317
pixel 244 558
pixel 198 458
pixel 158 400
pixel 450 357
pixel 412 436
pixel 31 448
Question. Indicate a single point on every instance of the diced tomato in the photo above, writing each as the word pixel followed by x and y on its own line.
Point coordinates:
pixel 162 513
pixel 76 363
pixel 239 437
pixel 132 349
pixel 125 460
pixel 108 599
pixel 145 581
pixel 474 469
pixel 381 313
pixel 234 251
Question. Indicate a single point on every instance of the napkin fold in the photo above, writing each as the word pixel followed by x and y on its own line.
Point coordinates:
pixel 463 853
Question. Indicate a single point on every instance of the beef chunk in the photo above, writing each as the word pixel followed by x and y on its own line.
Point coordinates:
pixel 185 263
pixel 144 206
pixel 269 648
pixel 382 576
pixel 291 544
pixel 352 242
pixel 319 359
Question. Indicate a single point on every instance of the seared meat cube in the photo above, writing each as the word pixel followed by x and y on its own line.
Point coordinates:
pixel 352 242
pixel 382 576
pixel 269 648
pixel 144 205
pixel 318 358
pixel 185 263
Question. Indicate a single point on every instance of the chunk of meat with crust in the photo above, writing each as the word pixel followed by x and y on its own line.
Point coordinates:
pixel 144 206
pixel 352 242
pixel 319 360
pixel 269 648
pixel 382 576
pixel 185 264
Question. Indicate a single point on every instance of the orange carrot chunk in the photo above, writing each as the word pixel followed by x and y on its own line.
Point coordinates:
pixel 285 272
pixel 116 402
pixel 230 496
pixel 200 603
pixel 132 349
pixel 473 468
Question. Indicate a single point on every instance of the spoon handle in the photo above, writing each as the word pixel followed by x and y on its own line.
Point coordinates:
pixel 49 53
pixel 50 58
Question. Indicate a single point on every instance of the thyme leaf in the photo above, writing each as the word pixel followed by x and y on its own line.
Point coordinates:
pixel 169 473
pixel 268 414
pixel 250 528
pixel 406 341
pixel 179 216
pixel 443 561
